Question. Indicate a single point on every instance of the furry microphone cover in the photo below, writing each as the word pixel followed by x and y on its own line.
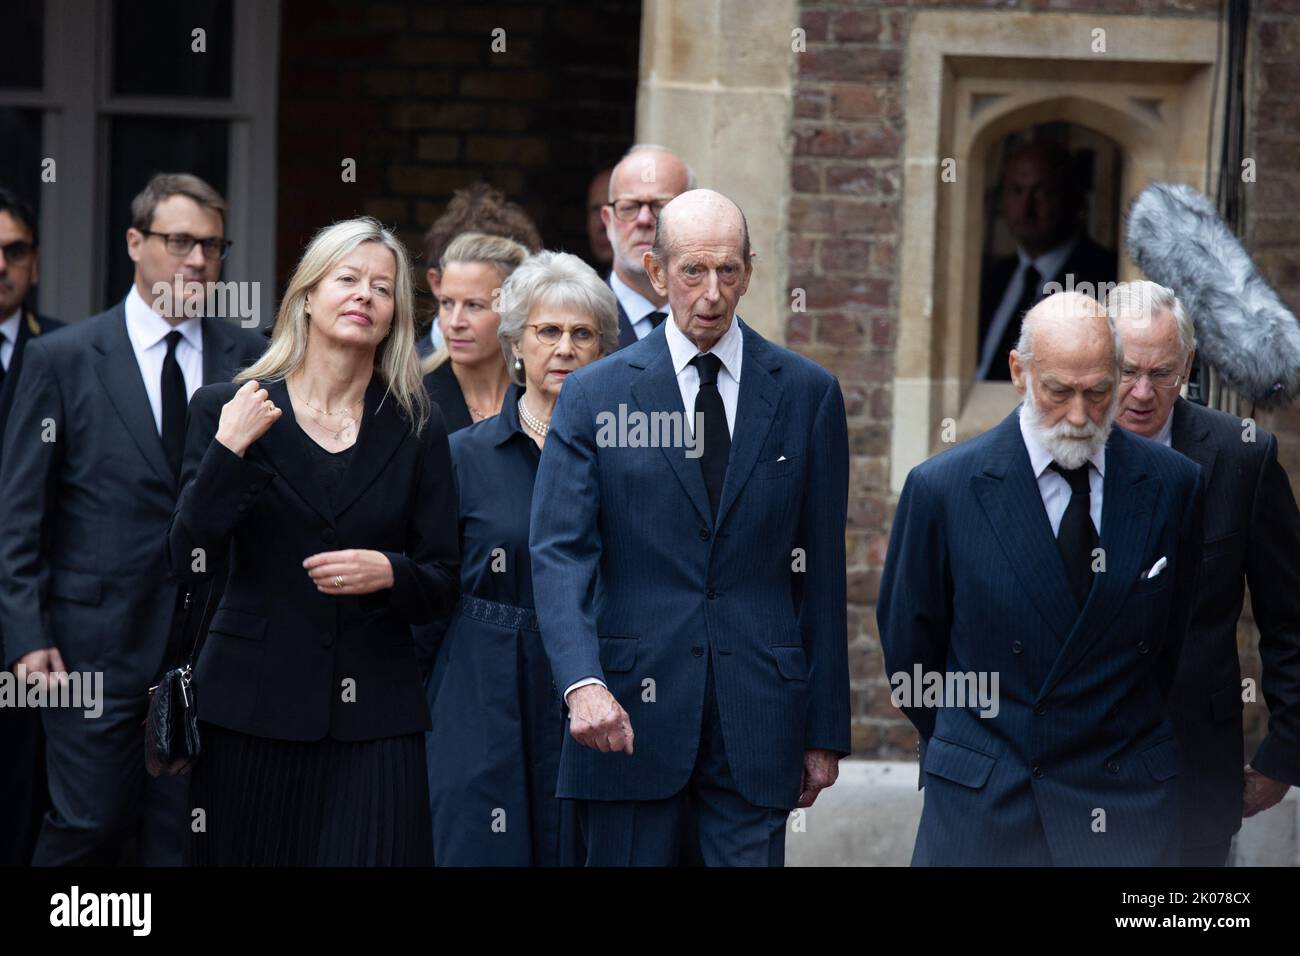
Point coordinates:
pixel 1243 330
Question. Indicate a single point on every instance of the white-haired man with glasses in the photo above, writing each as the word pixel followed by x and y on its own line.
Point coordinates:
pixel 1251 536
pixel 643 182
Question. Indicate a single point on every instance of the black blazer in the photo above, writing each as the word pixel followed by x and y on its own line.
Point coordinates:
pixel 29 327
pixel 444 390
pixel 81 516
pixel 1252 535
pixel 278 651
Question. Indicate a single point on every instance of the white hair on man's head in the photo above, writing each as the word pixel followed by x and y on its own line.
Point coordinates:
pixel 654 148
pixel 1085 306
pixel 1144 299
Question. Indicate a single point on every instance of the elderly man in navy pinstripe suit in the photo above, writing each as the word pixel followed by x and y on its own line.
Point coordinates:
pixel 1060 554
pixel 693 593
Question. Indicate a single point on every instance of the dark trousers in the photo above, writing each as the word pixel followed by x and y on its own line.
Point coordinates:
pixel 707 823
pixel 24 796
pixel 106 808
pixel 1216 854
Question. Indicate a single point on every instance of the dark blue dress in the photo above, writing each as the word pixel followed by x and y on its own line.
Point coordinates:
pixel 498 722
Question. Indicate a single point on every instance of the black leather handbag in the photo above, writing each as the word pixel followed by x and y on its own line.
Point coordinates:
pixel 171 727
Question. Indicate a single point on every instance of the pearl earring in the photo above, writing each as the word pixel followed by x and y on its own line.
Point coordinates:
pixel 519 365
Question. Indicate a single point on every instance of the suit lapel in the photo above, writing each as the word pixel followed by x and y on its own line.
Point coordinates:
pixel 656 390
pixel 382 431
pixel 1009 495
pixel 15 361
pixel 120 375
pixel 1187 437
pixel 626 334
pixel 219 356
pixel 282 445
pixel 755 409
pixel 1128 496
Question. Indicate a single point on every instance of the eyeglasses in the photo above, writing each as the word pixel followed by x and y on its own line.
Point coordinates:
pixel 1159 378
pixel 17 252
pixel 629 209
pixel 582 337
pixel 181 243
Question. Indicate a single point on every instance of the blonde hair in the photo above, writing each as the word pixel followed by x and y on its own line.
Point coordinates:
pixel 505 255
pixel 396 362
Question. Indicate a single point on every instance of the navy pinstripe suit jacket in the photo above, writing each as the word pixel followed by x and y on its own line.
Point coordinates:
pixel 1079 766
pixel 634 580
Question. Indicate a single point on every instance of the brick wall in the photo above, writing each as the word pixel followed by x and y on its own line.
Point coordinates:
pixel 414 93
pixel 846 176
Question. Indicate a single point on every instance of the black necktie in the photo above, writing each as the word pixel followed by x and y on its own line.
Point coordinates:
pixel 1077 537
pixel 717 440
pixel 173 405
pixel 655 318
pixel 1032 291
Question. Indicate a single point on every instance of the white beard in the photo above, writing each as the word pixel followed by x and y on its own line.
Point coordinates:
pixel 1062 439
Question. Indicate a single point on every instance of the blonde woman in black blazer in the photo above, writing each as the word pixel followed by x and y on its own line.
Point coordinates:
pixel 323 476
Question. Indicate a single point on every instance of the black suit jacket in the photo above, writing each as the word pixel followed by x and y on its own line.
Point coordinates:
pixel 1252 535
pixel 29 327
pixel 278 651
pixel 85 498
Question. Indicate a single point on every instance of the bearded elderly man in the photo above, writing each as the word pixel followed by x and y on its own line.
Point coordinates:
pixel 1252 534
pixel 1060 554
pixel 691 593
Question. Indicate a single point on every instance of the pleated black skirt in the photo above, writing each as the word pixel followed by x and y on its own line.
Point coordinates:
pixel 325 803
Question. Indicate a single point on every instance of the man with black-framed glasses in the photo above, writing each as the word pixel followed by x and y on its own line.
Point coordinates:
pixel 1251 536
pixel 91 463
pixel 643 182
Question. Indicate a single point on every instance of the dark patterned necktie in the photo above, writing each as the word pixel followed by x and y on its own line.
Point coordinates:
pixel 717 440
pixel 1077 537
pixel 1032 291
pixel 655 318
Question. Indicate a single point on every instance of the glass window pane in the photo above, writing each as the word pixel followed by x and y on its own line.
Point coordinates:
pixel 153 48
pixel 20 159
pixel 140 146
pixel 22 63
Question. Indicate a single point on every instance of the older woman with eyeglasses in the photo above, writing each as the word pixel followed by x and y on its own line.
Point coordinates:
pixel 498 721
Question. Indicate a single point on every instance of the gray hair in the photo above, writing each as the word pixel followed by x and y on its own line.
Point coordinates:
pixel 1062 300
pixel 654 148
pixel 1145 299
pixel 560 280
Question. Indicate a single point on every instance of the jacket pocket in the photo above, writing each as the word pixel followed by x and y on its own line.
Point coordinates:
pixel 239 623
pixel 617 654
pixel 961 765
pixel 790 661
pixel 776 469
pixel 76 586
pixel 1163 759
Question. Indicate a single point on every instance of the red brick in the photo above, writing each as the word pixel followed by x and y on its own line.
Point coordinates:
pixel 815 24
pixel 854 63
pixel 808 215
pixel 805 177
pixel 848 141
pixel 853 102
pixel 845 331
pixel 857 25
pixel 845 255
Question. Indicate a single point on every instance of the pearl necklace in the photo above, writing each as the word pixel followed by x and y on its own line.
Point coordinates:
pixel 531 421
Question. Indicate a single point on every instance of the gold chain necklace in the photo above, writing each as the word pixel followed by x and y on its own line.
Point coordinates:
pixel 346 432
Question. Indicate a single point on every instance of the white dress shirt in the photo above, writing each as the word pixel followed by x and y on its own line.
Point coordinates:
pixel 9 337
pixel 1049 264
pixel 637 306
pixel 1166 434
pixel 730 350
pixel 147 331
pixel 1053 487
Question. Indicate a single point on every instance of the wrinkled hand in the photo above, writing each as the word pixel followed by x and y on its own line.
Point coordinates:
pixel 597 720
pixel 246 417
pixel 1261 793
pixel 362 572
pixel 821 768
pixel 41 667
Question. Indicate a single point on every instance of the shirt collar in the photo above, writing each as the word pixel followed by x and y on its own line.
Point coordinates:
pixel 9 327
pixel 634 303
pixel 728 349
pixel 147 328
pixel 1051 262
pixel 1040 457
pixel 506 424
pixel 1166 433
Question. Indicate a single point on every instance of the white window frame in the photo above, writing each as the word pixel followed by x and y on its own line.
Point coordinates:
pixel 77 104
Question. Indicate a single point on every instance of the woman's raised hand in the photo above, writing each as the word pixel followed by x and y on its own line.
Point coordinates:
pixel 246 417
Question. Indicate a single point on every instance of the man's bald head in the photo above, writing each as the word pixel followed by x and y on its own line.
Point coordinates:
pixel 1069 323
pixel 700 211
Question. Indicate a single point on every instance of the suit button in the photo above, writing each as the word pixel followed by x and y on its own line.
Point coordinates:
pixel 327 535
pixel 1112 766
pixel 1040 709
pixel 1142 647
pixel 1017 647
pixel 697 651
pixel 711 594
pixel 704 534
pixel 1038 773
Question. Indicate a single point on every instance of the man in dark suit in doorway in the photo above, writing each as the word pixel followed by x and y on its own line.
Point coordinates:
pixel 1251 536
pixel 92 455
pixel 1040 199
pixel 23 793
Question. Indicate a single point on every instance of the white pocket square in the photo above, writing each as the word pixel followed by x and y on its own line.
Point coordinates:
pixel 1156 568
pixel 782 458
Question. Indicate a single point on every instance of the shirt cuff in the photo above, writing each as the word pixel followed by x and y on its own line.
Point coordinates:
pixel 582 683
